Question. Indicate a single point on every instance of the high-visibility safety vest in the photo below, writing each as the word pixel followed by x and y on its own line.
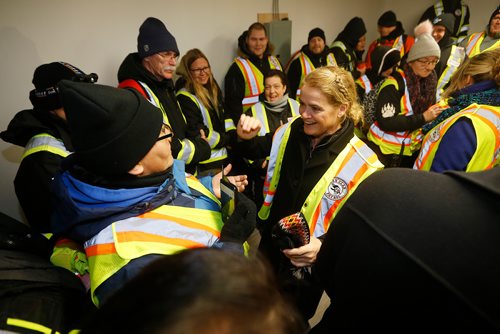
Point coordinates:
pixel 44 142
pixel 486 122
pixel 187 150
pixel 307 67
pixel 341 45
pixel 391 142
pixel 33 327
pixel 259 112
pixel 213 136
pixel 457 55
pixel 399 44
pixel 354 164
pixel 474 44
pixel 165 231
pixel 365 83
pixel 439 9
pixel 254 79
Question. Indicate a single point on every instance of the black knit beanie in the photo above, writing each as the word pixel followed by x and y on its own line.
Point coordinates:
pixel 495 12
pixel 388 19
pixel 45 96
pixel 154 37
pixel 112 129
pixel 446 20
pixel 384 57
pixel 355 28
pixel 316 32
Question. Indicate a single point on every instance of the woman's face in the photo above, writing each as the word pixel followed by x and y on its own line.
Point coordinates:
pixel 200 71
pixel 274 89
pixel 423 67
pixel 321 118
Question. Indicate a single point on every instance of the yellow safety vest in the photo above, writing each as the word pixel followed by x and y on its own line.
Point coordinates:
pixel 44 142
pixel 213 136
pixel 439 9
pixel 391 142
pixel 307 67
pixel 341 45
pixel 486 122
pixel 364 83
pixel 187 150
pixel 354 164
pixel 456 58
pixel 474 44
pixel 254 79
pixel 165 230
pixel 259 112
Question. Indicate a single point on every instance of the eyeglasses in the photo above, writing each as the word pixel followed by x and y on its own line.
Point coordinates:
pixel 428 62
pixel 165 128
pixel 198 71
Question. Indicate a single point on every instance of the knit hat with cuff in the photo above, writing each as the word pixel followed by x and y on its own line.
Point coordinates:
pixel 316 32
pixel 388 19
pixel 112 129
pixel 154 38
pixel 425 45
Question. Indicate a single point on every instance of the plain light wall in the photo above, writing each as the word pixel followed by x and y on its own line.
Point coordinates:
pixel 96 35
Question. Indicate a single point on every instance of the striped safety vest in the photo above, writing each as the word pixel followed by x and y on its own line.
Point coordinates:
pixel 365 83
pixel 187 150
pixel 307 67
pixel 391 142
pixel 165 230
pixel 341 45
pixel 213 136
pixel 254 79
pixel 259 112
pixel 463 28
pixel 354 164
pixel 486 122
pixel 474 44
pixel 457 55
pixel 44 142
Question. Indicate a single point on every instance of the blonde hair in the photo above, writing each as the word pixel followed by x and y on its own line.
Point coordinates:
pixel 339 88
pixel 208 95
pixel 482 67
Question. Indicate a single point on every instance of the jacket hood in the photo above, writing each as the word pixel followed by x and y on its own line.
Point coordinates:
pixel 395 33
pixel 243 49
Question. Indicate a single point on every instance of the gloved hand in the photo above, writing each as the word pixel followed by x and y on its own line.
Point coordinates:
pixel 241 223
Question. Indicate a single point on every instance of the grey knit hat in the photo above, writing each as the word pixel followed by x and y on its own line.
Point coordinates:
pixel 425 45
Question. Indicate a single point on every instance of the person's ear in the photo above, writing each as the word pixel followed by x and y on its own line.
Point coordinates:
pixel 137 170
pixel 468 80
pixel 342 110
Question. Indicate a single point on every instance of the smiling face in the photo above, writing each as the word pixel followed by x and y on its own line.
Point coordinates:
pixel 316 45
pixel 274 89
pixel 161 65
pixel 438 32
pixel 495 25
pixel 321 118
pixel 200 71
pixel 423 67
pixel 257 42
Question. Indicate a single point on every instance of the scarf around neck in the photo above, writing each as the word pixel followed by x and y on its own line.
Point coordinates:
pixel 422 90
pixel 277 106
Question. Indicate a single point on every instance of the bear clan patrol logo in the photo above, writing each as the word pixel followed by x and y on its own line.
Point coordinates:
pixel 337 189
pixel 434 136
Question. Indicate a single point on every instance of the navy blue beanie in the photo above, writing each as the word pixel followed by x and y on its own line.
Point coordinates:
pixel 154 37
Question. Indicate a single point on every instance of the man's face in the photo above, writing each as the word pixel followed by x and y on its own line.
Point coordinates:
pixel 385 31
pixel 159 158
pixel 438 32
pixel 316 45
pixel 274 89
pixel 495 25
pixel 257 42
pixel 161 64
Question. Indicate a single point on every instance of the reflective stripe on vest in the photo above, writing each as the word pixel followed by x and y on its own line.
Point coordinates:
pixel 353 165
pixel 213 136
pixel 457 55
pixel 307 67
pixel 474 44
pixel 399 44
pixel 342 46
pixel 32 326
pixel 229 124
pixel 439 9
pixel 254 78
pixel 486 122
pixel 259 112
pixel 44 142
pixel 364 82
pixel 390 142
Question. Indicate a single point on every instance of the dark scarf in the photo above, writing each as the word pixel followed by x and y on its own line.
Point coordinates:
pixel 422 90
pixel 481 93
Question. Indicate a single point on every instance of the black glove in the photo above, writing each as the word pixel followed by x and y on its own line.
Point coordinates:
pixel 241 223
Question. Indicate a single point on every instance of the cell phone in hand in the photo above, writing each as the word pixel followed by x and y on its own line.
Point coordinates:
pixel 228 197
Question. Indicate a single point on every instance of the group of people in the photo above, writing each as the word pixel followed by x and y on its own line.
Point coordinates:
pixel 124 178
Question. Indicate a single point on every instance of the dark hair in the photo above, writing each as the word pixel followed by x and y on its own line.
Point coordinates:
pixel 276 73
pixel 257 26
pixel 199 291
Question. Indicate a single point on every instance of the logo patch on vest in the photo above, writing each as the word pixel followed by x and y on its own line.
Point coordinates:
pixel 434 136
pixel 388 110
pixel 337 189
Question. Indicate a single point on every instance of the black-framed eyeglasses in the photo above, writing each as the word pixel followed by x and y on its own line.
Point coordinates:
pixel 199 70
pixel 170 135
pixel 165 128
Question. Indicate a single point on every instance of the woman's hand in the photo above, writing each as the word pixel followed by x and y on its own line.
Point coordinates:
pixel 248 127
pixel 240 181
pixel 304 256
pixel 433 112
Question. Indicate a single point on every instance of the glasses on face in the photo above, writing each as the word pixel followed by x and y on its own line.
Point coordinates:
pixel 198 71
pixel 166 132
pixel 428 62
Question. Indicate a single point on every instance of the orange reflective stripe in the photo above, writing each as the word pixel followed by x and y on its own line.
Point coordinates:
pixel 148 237
pixel 180 221
pixel 100 249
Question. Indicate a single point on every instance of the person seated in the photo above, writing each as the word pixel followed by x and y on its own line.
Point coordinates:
pixel 312 55
pixel 204 291
pixel 122 195
pixel 45 136
pixel 462 137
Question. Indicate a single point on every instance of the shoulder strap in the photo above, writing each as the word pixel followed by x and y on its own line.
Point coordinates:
pixel 131 83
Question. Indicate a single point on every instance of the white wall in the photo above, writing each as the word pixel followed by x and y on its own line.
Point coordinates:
pixel 96 35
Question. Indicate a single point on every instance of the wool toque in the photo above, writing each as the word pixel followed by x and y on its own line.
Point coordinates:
pixel 45 96
pixel 154 37
pixel 316 32
pixel 388 19
pixel 356 28
pixel 495 12
pixel 446 20
pixel 112 129
pixel 425 45
pixel 384 57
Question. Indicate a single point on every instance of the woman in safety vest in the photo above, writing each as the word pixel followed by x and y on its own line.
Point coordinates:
pixel 201 102
pixel 316 162
pixel 466 135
